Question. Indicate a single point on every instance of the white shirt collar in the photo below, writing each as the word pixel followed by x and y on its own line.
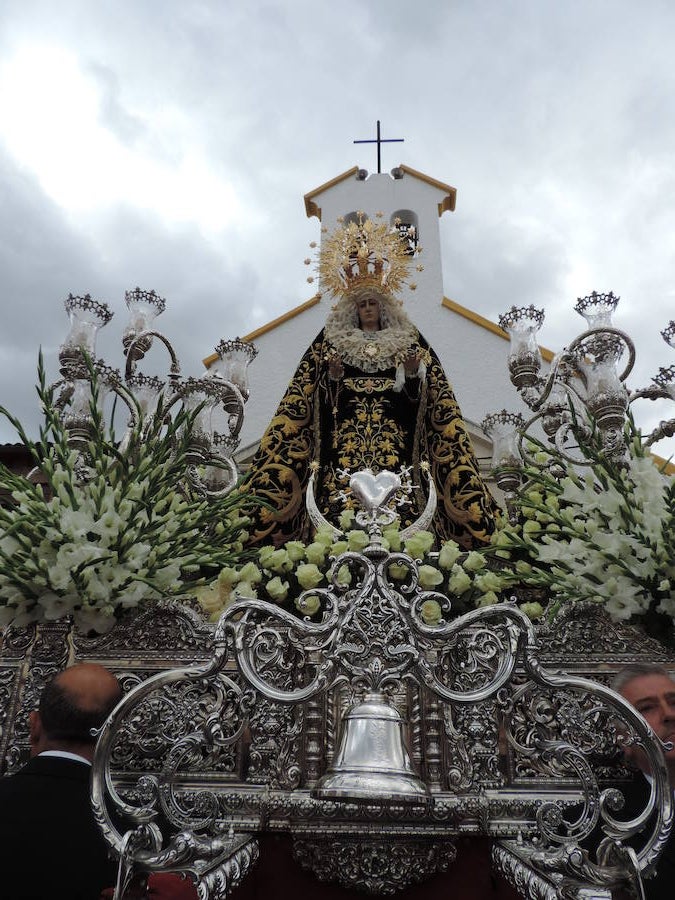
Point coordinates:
pixel 65 754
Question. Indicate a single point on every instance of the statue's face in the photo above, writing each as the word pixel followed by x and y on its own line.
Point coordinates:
pixel 368 308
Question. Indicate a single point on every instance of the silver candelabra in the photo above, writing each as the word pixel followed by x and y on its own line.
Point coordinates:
pixel 215 401
pixel 585 386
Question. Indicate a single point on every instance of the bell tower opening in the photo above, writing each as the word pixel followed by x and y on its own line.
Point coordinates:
pixel 407 223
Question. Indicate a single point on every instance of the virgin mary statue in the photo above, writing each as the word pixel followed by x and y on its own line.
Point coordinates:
pixel 369 392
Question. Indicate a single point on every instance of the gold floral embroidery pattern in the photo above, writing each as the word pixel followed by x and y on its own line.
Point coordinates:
pixel 369 384
pixel 369 439
pixel 466 509
pixel 280 468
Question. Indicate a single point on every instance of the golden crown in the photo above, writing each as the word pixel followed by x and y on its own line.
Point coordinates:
pixel 362 253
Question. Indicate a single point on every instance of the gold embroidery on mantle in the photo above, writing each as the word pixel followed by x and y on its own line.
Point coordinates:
pixel 369 385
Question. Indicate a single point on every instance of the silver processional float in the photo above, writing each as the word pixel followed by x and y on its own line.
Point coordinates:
pixel 366 693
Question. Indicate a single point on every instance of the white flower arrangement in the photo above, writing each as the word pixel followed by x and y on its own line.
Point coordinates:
pixel 281 575
pixel 112 529
pixel 604 534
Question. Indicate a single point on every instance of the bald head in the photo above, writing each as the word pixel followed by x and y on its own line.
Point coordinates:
pixel 73 702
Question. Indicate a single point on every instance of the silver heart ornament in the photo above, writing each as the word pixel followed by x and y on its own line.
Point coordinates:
pixel 374 491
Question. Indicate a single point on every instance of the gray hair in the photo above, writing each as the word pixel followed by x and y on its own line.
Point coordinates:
pixel 638 670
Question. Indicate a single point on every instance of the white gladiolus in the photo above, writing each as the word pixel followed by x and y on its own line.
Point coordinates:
pixel 109 517
pixel 137 555
pixel 92 619
pixel 75 523
pixel 53 606
pixel 133 595
pixel 108 527
pixel 167 576
pixel 9 545
pixel 613 535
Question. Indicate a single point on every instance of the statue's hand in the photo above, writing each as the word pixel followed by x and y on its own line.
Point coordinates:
pixel 412 363
pixel 335 368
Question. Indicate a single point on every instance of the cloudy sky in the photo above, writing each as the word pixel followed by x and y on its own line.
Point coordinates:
pixel 169 144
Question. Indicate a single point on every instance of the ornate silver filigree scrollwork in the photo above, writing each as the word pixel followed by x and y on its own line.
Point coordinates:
pixel 515 865
pixel 368 668
pixel 374 866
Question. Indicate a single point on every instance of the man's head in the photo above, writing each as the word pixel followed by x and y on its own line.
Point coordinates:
pixel 73 702
pixel 651 690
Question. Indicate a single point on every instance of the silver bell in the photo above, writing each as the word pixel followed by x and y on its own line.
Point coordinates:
pixel 372 763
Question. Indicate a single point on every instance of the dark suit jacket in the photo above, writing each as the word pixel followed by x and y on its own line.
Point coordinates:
pixel 662 885
pixel 50 845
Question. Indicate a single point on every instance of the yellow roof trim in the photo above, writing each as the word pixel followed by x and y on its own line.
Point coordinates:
pixel 487 324
pixel 311 208
pixel 270 326
pixel 667 468
pixel 447 204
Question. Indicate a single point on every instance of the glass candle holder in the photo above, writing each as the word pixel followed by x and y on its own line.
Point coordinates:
pixel 597 309
pixel 606 397
pixel 144 307
pixel 86 317
pixel 503 429
pixel 522 325
pixel 234 358
pixel 147 389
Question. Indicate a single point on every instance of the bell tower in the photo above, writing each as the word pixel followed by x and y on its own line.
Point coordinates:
pixel 403 197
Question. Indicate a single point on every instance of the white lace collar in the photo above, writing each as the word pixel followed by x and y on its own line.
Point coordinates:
pixel 371 351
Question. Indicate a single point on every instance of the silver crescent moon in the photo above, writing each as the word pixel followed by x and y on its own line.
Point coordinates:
pixel 316 517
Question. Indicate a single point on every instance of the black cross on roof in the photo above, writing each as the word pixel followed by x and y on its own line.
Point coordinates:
pixel 380 140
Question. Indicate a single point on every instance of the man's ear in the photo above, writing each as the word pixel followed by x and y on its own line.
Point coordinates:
pixel 35 728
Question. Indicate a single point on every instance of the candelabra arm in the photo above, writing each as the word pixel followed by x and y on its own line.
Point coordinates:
pixel 201 486
pixel 544 386
pixel 664 429
pixel 653 392
pixel 135 413
pixel 122 391
pixel 558 439
pixel 174 371
pixel 523 435
pixel 530 395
